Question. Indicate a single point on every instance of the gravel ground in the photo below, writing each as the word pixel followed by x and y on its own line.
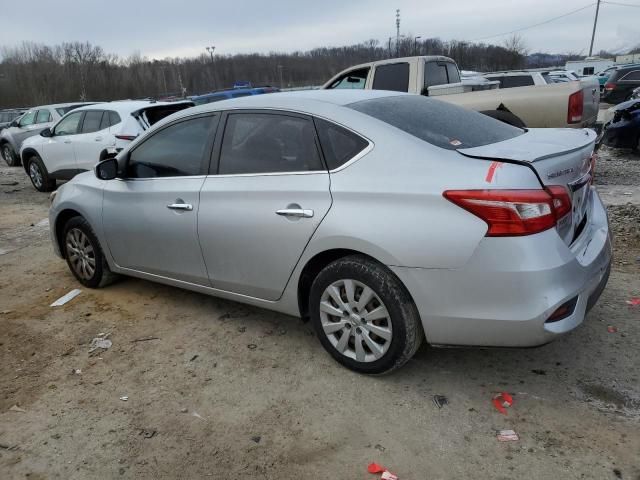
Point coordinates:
pixel 228 391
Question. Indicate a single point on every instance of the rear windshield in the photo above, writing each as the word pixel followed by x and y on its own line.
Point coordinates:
pixel 436 122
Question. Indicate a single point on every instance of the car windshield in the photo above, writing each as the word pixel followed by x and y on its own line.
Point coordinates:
pixel 436 122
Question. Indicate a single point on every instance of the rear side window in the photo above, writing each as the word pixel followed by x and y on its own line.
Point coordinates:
pixel 172 152
pixel 453 73
pixel 438 123
pixel 352 79
pixel 43 116
pixel 516 81
pixel 114 118
pixel 435 73
pixel 633 75
pixel 92 121
pixel 268 143
pixel 339 145
pixel 393 77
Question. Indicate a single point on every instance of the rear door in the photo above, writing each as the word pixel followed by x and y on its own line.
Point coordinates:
pixel 263 201
pixel 93 138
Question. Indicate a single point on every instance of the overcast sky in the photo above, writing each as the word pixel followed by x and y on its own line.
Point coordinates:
pixel 160 28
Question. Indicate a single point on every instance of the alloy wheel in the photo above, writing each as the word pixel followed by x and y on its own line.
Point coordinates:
pixel 81 253
pixel 6 154
pixel 35 174
pixel 355 320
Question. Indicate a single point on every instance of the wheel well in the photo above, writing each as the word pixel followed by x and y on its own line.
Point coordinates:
pixel 63 217
pixel 27 152
pixel 311 270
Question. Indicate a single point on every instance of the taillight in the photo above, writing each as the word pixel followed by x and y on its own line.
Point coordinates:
pixel 514 212
pixel 609 86
pixel 126 137
pixel 576 105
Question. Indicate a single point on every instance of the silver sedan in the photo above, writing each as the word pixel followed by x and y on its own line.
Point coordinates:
pixel 384 218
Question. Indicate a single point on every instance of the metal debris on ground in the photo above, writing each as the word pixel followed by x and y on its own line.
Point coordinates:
pixel 147 433
pixel 144 339
pixel 502 402
pixel 440 401
pixel 101 341
pixel 66 298
pixel 538 371
pixel 386 474
pixel 507 436
pixel 194 357
pixel 16 408
pixel 124 398
pixel 252 346
pixel 256 439
pixel 76 371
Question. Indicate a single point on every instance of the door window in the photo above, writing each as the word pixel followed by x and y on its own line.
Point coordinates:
pixel 453 73
pixel 92 121
pixel 69 124
pixel 633 75
pixel 339 145
pixel 43 116
pixel 174 151
pixel 268 143
pixel 435 73
pixel 28 119
pixel 393 77
pixel 510 81
pixel 352 79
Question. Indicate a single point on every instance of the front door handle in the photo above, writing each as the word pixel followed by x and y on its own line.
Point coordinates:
pixel 67 141
pixel 295 212
pixel 98 139
pixel 180 206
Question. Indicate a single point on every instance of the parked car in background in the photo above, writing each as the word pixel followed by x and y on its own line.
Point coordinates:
pixel 287 202
pixel 7 116
pixel 230 93
pixel 88 135
pixel 621 83
pixel 570 104
pixel 29 124
pixel 635 93
pixel 623 130
pixel 556 76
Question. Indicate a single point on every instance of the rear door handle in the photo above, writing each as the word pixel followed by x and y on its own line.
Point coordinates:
pixel 98 139
pixel 295 212
pixel 67 141
pixel 180 206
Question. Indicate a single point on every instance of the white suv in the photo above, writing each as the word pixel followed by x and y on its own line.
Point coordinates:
pixel 88 135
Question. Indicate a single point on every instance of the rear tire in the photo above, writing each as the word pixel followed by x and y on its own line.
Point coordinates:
pixel 9 155
pixel 39 175
pixel 364 316
pixel 84 255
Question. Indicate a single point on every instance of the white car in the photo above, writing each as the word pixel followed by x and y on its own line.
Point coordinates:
pixel 88 135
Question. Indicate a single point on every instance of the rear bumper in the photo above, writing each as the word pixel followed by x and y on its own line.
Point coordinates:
pixel 504 295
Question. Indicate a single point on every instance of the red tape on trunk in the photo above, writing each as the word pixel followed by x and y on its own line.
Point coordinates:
pixel 492 171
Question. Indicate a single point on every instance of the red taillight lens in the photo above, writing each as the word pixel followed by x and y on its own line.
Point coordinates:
pixel 609 86
pixel 126 137
pixel 576 105
pixel 514 212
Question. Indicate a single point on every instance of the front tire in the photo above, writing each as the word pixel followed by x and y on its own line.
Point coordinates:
pixel 364 316
pixel 39 175
pixel 84 255
pixel 9 155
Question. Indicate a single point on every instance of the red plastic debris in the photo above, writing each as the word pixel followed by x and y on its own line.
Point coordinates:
pixel 386 474
pixel 502 401
pixel 634 302
pixel 611 329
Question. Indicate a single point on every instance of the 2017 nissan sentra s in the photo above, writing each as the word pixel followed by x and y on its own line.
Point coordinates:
pixel 385 218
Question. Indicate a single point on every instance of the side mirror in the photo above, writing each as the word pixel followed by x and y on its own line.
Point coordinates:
pixel 15 123
pixel 107 169
pixel 46 133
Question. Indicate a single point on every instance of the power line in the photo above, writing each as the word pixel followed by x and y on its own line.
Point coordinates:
pixel 622 4
pixel 537 24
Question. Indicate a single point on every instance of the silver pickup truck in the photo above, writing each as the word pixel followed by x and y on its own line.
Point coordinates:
pixel 569 104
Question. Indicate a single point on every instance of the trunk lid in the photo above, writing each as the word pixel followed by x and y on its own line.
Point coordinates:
pixel 559 157
pixel 154 112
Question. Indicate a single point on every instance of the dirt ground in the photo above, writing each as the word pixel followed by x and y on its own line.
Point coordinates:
pixel 228 391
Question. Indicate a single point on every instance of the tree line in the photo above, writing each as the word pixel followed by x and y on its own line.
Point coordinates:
pixel 36 74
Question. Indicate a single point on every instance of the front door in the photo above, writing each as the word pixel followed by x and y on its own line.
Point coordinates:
pixel 59 154
pixel 263 203
pixel 150 215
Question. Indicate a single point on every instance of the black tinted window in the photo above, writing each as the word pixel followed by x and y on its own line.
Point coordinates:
pixel 435 73
pixel 114 118
pixel 516 81
pixel 353 79
pixel 92 121
pixel 262 143
pixel 174 151
pixel 240 94
pixel 439 123
pixel 633 75
pixel 392 77
pixel 339 145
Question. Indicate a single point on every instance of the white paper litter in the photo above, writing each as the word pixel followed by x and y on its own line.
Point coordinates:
pixel 16 408
pixel 102 341
pixel 507 436
pixel 65 298
pixel 124 399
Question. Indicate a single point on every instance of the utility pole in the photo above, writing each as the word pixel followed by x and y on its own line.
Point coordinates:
pixel 211 49
pixel 397 32
pixel 595 22
pixel 280 75
pixel 415 44
pixel 390 46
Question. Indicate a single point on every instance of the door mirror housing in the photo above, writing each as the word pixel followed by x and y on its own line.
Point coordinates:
pixel 107 169
pixel 46 133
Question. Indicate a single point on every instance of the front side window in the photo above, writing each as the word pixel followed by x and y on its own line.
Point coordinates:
pixel 339 145
pixel 268 143
pixel 353 79
pixel 43 116
pixel 394 77
pixel 69 124
pixel 92 121
pixel 28 119
pixel 174 151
